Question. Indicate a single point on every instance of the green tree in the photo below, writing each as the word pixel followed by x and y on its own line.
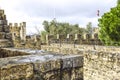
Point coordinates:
pixel 89 28
pixel 46 26
pixel 43 36
pixel 110 26
pixel 53 27
pixel 118 2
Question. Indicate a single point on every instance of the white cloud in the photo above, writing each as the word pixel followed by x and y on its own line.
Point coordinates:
pixel 34 12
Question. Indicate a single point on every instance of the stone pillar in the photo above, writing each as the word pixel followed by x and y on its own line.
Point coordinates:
pixel 23 31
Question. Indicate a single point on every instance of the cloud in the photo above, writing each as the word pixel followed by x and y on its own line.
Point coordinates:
pixel 34 12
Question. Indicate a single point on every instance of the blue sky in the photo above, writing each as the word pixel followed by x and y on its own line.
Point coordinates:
pixel 34 12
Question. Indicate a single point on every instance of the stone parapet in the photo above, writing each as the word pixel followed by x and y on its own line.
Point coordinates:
pixel 90 39
pixel 40 65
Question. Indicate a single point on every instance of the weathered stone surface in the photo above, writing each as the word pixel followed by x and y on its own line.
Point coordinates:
pixel 5 43
pixel 9 52
pixel 17 71
pixel 2 35
pixel 8 36
pixel 1 11
pixel 101 65
pixel 40 65
pixel 1 28
pixel 6 28
pixel 3 22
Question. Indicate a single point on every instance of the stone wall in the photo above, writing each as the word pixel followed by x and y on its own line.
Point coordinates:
pixel 90 39
pixel 102 65
pixel 5 35
pixel 10 52
pixel 76 49
pixel 40 65
pixel 18 31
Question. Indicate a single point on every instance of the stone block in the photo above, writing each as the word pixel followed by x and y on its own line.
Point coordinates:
pixel 2 35
pixel 70 36
pixel 77 61
pixel 1 28
pixel 77 74
pixel 3 22
pixel 58 36
pixel 61 37
pixel 6 28
pixel 8 36
pixel 47 66
pixel 87 36
pixel 5 43
pixel 52 75
pixel 77 36
pixel 17 72
pixel 1 12
pixel 4 17
pixel 67 63
pixel 95 36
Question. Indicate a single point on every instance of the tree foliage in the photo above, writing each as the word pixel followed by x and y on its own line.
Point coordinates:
pixel 110 26
pixel 89 29
pixel 53 27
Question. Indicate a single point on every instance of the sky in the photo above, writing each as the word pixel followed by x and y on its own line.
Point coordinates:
pixel 34 12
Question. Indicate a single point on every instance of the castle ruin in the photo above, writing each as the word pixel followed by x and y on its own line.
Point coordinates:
pixel 62 62
pixel 5 35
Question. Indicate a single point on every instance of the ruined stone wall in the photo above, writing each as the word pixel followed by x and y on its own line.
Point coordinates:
pixel 41 66
pixel 32 42
pixel 89 39
pixel 18 31
pixel 102 65
pixel 76 49
pixel 5 35
pixel 6 52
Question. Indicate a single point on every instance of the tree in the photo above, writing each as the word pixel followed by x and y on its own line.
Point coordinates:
pixel 118 2
pixel 110 26
pixel 46 26
pixel 53 27
pixel 89 28
pixel 43 36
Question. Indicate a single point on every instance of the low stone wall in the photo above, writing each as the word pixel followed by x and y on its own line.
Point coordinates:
pixel 62 50
pixel 76 49
pixel 102 65
pixel 40 65
pixel 9 52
